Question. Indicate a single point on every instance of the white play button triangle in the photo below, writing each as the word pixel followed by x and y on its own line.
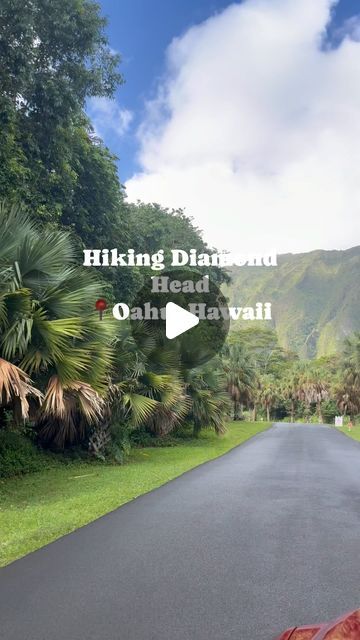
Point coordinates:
pixel 178 320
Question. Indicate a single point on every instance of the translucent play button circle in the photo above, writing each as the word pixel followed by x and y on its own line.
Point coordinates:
pixel 182 312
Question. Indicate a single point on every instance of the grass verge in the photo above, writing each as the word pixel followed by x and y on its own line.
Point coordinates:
pixel 38 508
pixel 354 433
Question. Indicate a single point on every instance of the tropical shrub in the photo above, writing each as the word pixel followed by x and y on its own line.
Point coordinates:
pixel 49 330
pixel 208 402
pixel 18 455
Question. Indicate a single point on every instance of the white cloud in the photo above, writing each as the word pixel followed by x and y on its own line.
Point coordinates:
pixel 350 29
pixel 108 118
pixel 255 130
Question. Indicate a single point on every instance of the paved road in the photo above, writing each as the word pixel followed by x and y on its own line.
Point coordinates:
pixel 270 531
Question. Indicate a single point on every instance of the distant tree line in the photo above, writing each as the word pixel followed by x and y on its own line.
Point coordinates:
pixel 263 378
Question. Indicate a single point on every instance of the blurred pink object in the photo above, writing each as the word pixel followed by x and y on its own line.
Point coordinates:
pixel 345 628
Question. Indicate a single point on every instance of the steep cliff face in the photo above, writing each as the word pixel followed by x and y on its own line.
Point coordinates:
pixel 315 297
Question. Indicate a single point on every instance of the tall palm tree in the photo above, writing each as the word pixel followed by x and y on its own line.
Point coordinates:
pixel 240 376
pixel 347 399
pixel 291 388
pixel 268 394
pixel 314 388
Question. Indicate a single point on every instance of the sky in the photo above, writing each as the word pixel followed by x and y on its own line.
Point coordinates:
pixel 245 114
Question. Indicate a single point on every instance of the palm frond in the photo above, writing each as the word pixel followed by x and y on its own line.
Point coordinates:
pixel 15 383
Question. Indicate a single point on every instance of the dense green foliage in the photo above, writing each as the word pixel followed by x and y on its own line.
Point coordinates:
pixel 54 55
pixel 60 368
pixel 18 455
pixel 90 382
pixel 315 298
pixel 48 330
pixel 264 379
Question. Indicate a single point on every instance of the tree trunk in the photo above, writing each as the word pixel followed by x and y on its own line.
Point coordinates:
pixel 268 413
pixel 319 412
pixel 196 428
pixel 236 409
pixel 292 411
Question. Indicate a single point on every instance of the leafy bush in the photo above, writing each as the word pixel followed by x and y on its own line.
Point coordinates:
pixel 184 431
pixel 143 438
pixel 119 446
pixel 329 411
pixel 18 455
pixel 110 443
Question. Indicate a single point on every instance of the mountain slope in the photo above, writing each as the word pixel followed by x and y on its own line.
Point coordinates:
pixel 315 297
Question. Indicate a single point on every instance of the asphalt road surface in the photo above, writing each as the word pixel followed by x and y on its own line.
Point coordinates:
pixel 266 537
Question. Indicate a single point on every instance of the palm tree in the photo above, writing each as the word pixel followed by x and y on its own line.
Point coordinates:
pixel 351 360
pixel 268 394
pixel 207 401
pixel 142 396
pixel 348 390
pixel 291 389
pixel 145 390
pixel 240 377
pixel 347 399
pixel 314 388
pixel 15 385
pixel 48 327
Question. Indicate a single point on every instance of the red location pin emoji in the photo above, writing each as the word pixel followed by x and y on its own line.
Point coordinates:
pixel 100 306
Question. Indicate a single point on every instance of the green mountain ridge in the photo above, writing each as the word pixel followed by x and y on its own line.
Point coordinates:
pixel 315 298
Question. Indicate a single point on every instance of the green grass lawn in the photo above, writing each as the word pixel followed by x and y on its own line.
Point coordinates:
pixel 355 433
pixel 38 508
